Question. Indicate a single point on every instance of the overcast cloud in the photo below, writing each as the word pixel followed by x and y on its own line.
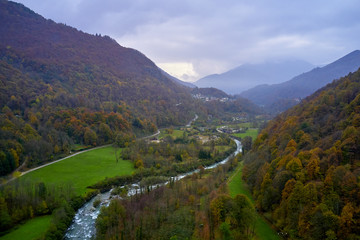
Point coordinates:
pixel 194 38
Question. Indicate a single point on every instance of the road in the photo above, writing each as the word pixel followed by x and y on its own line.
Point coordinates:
pixel 192 120
pixel 47 164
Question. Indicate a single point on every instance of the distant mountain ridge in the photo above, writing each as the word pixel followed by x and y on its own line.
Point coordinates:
pixel 304 84
pixel 178 81
pixel 247 76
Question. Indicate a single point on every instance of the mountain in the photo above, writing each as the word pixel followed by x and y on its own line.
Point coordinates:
pixel 247 76
pixel 304 167
pixel 178 81
pixel 83 65
pixel 60 86
pixel 304 84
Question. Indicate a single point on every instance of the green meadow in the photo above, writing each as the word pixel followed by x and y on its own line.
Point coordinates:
pixel 83 169
pixel 236 186
pixel 32 229
pixel 251 132
pixel 175 134
pixel 79 171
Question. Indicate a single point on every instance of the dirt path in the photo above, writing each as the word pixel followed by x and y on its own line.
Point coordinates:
pixel 47 164
pixel 77 153
pixel 72 155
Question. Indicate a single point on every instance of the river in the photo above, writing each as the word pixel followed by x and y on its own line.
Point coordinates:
pixel 83 225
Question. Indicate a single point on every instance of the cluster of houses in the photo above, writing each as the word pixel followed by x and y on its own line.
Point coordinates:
pixel 229 130
pixel 205 139
pixel 208 98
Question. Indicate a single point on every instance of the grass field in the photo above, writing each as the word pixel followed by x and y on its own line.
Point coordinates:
pixel 83 170
pixel 176 133
pixel 251 132
pixel 236 186
pixel 32 229
pixel 79 171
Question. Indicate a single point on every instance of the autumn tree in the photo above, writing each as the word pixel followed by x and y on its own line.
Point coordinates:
pixel 90 137
pixel 246 143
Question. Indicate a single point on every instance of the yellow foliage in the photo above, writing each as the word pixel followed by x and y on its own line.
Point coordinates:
pixel 15 156
pixel 289 186
pixel 139 164
pixel 56 149
pixel 313 167
pixel 16 174
pixel 291 146
pixel 294 165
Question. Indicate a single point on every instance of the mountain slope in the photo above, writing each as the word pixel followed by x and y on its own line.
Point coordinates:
pixel 86 65
pixel 60 86
pixel 249 75
pixel 304 84
pixel 304 167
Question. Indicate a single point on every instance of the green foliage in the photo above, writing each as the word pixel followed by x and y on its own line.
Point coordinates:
pixel 22 200
pixel 112 217
pixel 203 154
pixel 90 137
pixel 5 219
pixel 246 143
pixel 124 139
pixel 178 211
pixel 233 214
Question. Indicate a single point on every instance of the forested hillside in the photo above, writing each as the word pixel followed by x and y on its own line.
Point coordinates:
pixel 304 167
pixel 60 86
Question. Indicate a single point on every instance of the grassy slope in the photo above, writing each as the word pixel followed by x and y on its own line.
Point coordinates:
pixel 83 170
pixel 32 229
pixel 236 186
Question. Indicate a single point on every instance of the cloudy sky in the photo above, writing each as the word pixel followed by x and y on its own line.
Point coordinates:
pixel 194 38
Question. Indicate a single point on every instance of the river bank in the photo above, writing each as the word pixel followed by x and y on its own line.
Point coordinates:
pixel 83 226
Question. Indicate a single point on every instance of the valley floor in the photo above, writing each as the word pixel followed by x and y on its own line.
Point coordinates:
pixel 236 185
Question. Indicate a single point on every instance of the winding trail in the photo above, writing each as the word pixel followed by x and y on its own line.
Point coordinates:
pixel 192 120
pixel 47 164
pixel 72 155
pixel 77 153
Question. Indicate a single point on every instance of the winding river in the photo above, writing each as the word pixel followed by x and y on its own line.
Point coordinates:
pixel 83 225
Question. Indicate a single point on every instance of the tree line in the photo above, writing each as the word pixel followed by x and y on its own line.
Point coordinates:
pixel 23 200
pixel 197 207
